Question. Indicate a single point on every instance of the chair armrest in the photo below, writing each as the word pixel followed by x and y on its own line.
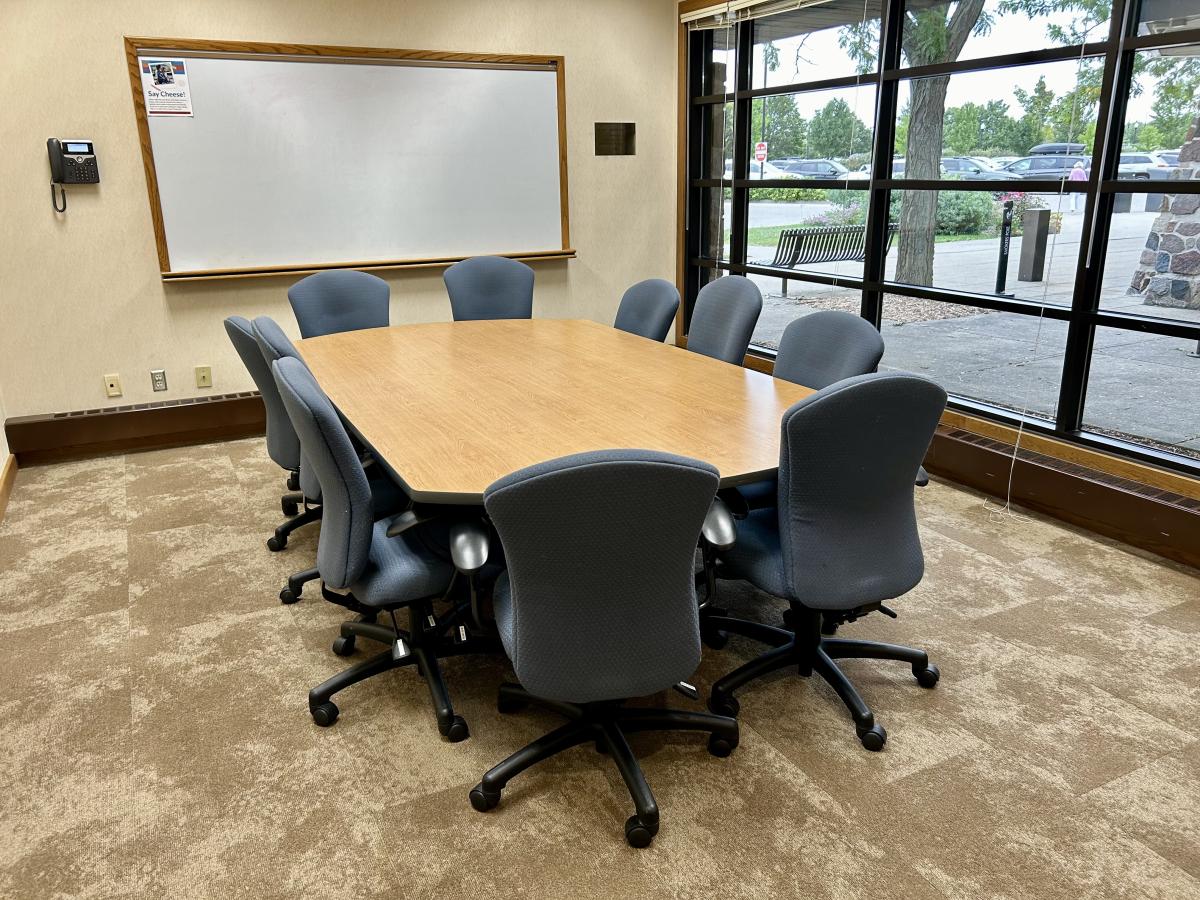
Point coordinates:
pixel 735 502
pixel 469 546
pixel 719 529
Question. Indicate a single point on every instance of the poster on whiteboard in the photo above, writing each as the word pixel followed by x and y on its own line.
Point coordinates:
pixel 165 87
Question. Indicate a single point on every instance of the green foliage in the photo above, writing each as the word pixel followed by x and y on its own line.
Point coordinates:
pixel 965 212
pixel 835 131
pixel 786 195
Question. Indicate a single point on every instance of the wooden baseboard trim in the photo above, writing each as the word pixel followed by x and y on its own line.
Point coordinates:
pixel 148 426
pixel 1159 521
pixel 8 477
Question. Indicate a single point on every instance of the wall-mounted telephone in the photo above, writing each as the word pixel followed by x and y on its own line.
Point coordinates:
pixel 71 162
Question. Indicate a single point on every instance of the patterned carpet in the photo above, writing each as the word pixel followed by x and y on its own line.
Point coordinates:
pixel 156 740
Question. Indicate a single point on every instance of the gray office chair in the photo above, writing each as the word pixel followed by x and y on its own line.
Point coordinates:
pixel 843 540
pixel 598 605
pixel 273 344
pixel 489 287
pixel 283 447
pixel 339 300
pixel 648 308
pixel 724 317
pixel 381 566
pixel 815 351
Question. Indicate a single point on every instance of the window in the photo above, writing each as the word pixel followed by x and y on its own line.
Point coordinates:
pixel 1026 240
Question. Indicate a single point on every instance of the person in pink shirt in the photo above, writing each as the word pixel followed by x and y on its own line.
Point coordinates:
pixel 1077 174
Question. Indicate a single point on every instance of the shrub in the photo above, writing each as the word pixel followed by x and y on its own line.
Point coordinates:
pixel 965 212
pixel 1021 202
pixel 786 195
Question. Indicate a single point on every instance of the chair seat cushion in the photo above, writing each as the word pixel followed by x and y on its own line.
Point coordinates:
pixel 757 557
pixel 400 569
pixel 502 610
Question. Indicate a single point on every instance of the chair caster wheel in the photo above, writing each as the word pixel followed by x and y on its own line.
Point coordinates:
pixel 638 834
pixel 343 646
pixel 509 705
pixel 290 508
pixel 276 543
pixel 928 676
pixel 721 746
pixel 325 714
pixel 293 481
pixel 714 638
pixel 873 738
pixel 723 706
pixel 455 730
pixel 483 800
pixel 288 596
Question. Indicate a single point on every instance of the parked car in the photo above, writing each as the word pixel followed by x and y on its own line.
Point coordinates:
pixel 813 168
pixel 757 170
pixel 1170 157
pixel 1136 164
pixel 1001 161
pixel 1064 148
pixel 1046 167
pixel 970 168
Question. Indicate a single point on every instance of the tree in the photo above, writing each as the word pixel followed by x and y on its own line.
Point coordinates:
pixel 836 131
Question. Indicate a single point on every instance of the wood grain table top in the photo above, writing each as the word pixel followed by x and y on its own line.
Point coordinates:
pixel 449 407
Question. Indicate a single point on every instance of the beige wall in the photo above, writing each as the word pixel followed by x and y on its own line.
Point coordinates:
pixel 80 295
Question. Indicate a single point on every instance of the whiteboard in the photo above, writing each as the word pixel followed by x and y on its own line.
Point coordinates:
pixel 291 163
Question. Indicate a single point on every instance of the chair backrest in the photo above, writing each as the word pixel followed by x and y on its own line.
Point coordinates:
pixel 600 549
pixel 346 511
pixel 489 287
pixel 827 346
pixel 848 459
pixel 276 345
pixel 282 444
pixel 648 308
pixel 724 317
pixel 339 300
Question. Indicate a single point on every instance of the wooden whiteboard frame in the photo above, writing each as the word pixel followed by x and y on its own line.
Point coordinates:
pixel 134 46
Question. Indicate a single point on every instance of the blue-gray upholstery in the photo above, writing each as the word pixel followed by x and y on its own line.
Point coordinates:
pixel 339 300
pixel 599 600
pixel 818 349
pixel 489 287
pixel 354 551
pixel 815 351
pixel 846 533
pixel 282 444
pixel 724 317
pixel 648 308
pixel 274 345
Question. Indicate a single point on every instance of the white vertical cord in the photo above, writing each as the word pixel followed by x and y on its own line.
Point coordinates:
pixel 1030 380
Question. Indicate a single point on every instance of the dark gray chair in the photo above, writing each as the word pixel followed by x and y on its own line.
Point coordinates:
pixel 724 317
pixel 827 346
pixel 815 351
pixel 283 447
pixel 598 606
pixel 372 566
pixel 489 287
pixel 339 300
pixel 648 308
pixel 843 540
pixel 273 344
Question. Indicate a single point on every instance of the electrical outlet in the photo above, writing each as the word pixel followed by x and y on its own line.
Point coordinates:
pixel 158 379
pixel 203 376
pixel 112 385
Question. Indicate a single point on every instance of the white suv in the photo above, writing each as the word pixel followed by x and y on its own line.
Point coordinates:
pixel 1136 164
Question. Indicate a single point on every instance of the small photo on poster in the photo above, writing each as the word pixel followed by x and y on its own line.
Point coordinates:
pixel 165 87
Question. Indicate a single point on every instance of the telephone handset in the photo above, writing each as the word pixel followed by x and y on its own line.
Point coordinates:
pixel 71 162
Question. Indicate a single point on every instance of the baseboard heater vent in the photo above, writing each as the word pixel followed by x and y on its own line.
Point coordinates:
pixel 1148 517
pixel 136 426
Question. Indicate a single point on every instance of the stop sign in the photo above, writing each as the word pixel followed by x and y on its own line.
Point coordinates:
pixel 760 151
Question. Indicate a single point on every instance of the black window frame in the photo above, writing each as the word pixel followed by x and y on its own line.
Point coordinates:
pixel 1083 316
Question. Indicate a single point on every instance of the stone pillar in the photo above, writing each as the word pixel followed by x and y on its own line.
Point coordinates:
pixel 1168 273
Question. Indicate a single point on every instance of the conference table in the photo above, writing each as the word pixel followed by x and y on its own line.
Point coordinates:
pixel 449 407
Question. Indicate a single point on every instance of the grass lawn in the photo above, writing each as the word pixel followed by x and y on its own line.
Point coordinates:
pixel 768 236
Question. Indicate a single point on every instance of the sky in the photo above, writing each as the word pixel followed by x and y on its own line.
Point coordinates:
pixel 821 57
